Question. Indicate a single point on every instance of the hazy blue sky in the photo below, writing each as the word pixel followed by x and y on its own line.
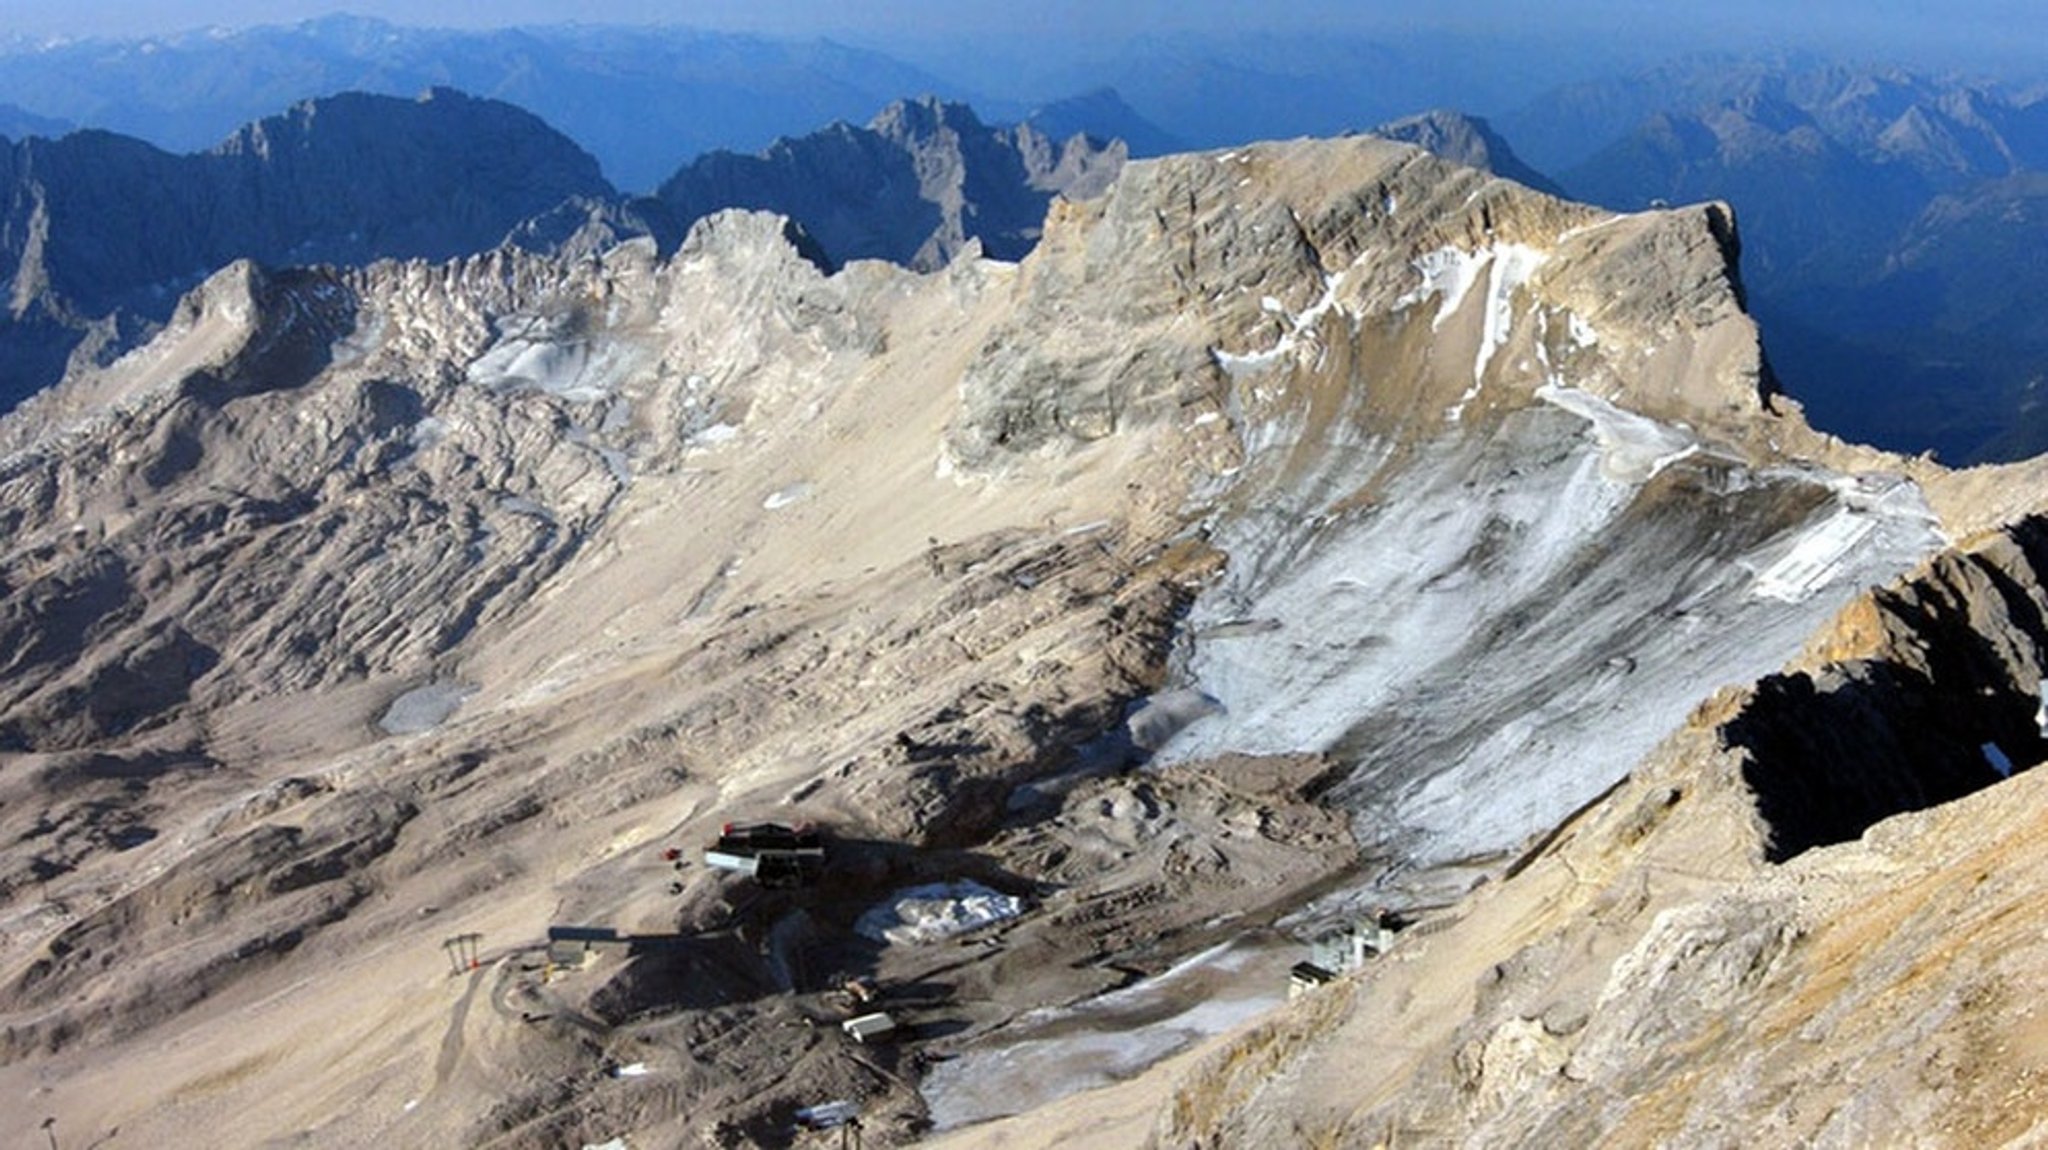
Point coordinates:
pixel 1908 30
pixel 1943 18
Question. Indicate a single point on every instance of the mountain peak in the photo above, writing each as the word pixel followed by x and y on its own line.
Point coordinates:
pixel 922 117
pixel 1468 140
pixel 922 182
pixel 1103 113
pixel 1373 449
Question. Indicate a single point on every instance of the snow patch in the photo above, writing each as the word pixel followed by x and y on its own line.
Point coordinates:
pixel 538 357
pixel 423 708
pixel 1299 327
pixel 1105 1039
pixel 1633 448
pixel 428 433
pixel 1235 365
pixel 1581 332
pixel 1815 558
pixel 933 913
pixel 1865 505
pixel 1447 273
pixel 792 494
pixel 1511 624
pixel 1450 273
pixel 357 345
pixel 1512 265
pixel 1166 714
pixel 713 436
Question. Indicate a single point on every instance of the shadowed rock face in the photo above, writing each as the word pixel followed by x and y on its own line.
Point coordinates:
pixel 912 187
pixel 1956 669
pixel 103 221
pixel 1834 754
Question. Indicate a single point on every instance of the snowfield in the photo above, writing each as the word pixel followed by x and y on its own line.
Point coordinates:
pixel 1516 620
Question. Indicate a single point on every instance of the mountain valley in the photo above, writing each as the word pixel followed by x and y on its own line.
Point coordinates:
pixel 1023 635
pixel 1273 536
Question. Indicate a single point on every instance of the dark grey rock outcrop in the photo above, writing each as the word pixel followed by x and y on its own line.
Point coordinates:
pixel 912 187
pixel 1467 140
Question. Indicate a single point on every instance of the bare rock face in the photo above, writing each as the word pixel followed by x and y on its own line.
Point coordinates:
pixel 913 187
pixel 1904 284
pixel 363 610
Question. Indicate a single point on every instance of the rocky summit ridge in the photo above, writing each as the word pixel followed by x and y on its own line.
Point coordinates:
pixel 105 233
pixel 914 186
pixel 102 234
pixel 1295 528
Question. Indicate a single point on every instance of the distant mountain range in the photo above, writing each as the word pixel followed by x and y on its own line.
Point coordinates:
pixel 17 122
pixel 1103 113
pixel 1296 78
pixel 1467 140
pixel 646 99
pixel 642 100
pixel 109 222
pixel 102 233
pixel 1889 221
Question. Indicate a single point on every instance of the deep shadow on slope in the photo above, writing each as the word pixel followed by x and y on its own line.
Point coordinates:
pixel 1955 671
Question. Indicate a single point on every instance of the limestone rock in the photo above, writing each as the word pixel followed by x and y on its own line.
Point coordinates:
pixel 1453 497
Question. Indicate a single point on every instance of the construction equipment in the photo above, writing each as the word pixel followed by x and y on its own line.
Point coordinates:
pixel 772 854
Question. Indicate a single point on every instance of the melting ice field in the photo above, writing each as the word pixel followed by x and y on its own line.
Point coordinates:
pixel 1518 619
